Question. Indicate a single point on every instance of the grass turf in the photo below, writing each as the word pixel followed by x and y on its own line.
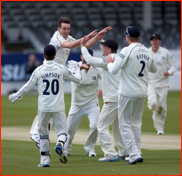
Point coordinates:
pixel 22 158
pixel 22 113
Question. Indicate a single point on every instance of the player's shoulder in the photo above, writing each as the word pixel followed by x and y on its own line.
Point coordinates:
pixel 57 37
pixel 60 66
pixel 163 49
pixel 40 67
pixel 70 38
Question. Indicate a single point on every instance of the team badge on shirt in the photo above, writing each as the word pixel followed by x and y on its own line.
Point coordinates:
pixel 69 72
pixel 121 55
pixel 104 59
pixel 163 57
pixel 93 77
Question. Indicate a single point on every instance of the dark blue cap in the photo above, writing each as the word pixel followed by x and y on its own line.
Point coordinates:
pixel 157 36
pixel 132 31
pixel 90 51
pixel 49 50
pixel 111 43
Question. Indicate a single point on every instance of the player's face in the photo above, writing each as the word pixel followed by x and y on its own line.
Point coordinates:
pixel 106 50
pixel 64 30
pixel 155 42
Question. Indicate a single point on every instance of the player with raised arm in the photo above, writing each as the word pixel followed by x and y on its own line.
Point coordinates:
pixel 84 101
pixel 159 82
pixel 63 43
pixel 109 113
pixel 135 62
pixel 49 79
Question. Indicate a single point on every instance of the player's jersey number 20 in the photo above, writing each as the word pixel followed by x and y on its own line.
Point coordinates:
pixel 54 87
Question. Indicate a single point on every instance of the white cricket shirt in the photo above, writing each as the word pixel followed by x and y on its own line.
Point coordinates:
pixel 86 90
pixel 135 62
pixel 62 54
pixel 49 79
pixel 110 82
pixel 162 59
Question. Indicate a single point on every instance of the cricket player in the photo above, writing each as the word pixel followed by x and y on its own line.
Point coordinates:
pixel 63 43
pixel 84 101
pixel 49 79
pixel 109 113
pixel 135 62
pixel 159 82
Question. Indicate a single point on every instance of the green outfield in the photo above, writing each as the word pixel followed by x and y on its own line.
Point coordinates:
pixel 22 157
pixel 23 112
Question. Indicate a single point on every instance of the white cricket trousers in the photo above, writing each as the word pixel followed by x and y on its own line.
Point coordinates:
pixel 76 114
pixel 109 116
pixel 59 119
pixel 157 103
pixel 35 125
pixel 130 111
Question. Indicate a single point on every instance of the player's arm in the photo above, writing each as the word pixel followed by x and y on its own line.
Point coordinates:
pixel 76 43
pixel 172 63
pixel 115 64
pixel 94 61
pixel 99 93
pixel 72 73
pixel 25 88
pixel 153 67
pixel 99 36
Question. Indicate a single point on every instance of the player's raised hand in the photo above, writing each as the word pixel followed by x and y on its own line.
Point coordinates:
pixel 109 59
pixel 93 33
pixel 83 41
pixel 101 34
pixel 99 93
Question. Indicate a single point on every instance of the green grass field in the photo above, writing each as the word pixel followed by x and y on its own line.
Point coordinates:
pixel 22 157
pixel 23 112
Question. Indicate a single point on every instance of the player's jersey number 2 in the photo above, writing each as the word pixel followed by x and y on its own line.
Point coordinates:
pixel 143 66
pixel 54 87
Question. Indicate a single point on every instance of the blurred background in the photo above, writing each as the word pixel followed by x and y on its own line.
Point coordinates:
pixel 27 27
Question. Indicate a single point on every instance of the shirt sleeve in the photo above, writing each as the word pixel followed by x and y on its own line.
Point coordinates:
pixel 30 84
pixel 69 75
pixel 56 40
pixel 153 67
pixel 172 63
pixel 99 72
pixel 94 61
pixel 119 62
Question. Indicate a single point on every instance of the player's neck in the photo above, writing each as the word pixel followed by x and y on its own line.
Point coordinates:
pixel 155 49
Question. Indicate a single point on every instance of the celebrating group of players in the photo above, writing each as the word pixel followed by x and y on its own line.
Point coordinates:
pixel 127 78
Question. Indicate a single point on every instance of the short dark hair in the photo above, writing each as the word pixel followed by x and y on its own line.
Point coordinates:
pixel 63 20
pixel 49 57
pixel 113 51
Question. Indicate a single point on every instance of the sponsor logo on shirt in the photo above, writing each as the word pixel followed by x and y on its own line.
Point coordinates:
pixel 69 72
pixel 142 50
pixel 93 77
pixel 121 55
pixel 104 59
pixel 158 64
pixel 163 57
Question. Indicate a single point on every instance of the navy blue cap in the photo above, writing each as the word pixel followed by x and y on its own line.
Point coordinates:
pixel 157 36
pixel 49 50
pixel 132 31
pixel 111 43
pixel 90 51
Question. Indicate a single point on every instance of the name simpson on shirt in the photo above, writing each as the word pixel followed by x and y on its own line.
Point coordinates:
pixel 50 74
